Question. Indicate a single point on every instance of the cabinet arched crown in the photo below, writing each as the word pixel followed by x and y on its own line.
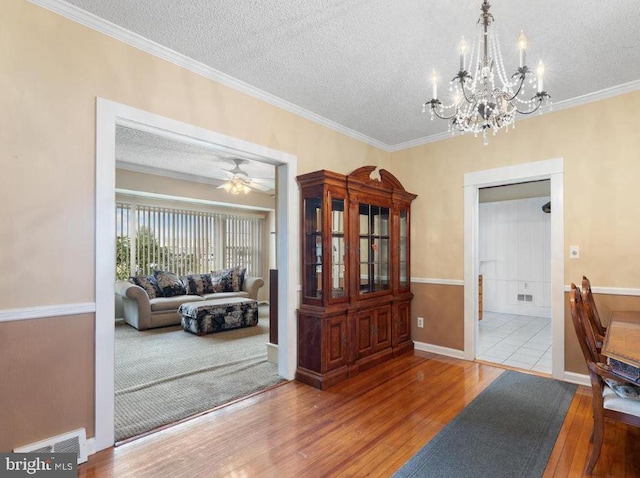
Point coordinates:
pixel 356 298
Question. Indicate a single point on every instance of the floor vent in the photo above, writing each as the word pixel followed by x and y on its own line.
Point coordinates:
pixel 71 442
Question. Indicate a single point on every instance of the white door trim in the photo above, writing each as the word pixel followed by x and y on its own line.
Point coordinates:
pixel 108 115
pixel 551 169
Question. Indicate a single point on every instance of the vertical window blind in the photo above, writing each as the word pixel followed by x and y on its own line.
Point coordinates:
pixel 185 241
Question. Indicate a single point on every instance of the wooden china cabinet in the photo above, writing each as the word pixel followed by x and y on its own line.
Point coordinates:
pixel 356 300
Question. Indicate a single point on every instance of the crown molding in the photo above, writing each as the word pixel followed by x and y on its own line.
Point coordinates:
pixel 137 41
pixel 560 105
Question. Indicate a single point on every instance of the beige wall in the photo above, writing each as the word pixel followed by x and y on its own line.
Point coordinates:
pixel 46 378
pixel 442 307
pixel 601 151
pixel 52 71
pixel 152 183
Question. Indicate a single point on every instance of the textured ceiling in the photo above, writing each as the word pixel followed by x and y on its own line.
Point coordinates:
pixel 364 64
pixel 179 157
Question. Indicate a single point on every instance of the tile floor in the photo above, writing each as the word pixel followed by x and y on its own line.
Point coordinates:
pixel 517 340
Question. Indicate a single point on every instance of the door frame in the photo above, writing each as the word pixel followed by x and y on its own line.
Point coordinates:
pixel 551 169
pixel 108 115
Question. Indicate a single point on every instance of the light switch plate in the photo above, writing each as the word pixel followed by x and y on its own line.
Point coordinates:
pixel 574 252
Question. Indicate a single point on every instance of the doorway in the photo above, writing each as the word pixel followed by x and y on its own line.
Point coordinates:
pixel 551 170
pixel 108 115
pixel 514 257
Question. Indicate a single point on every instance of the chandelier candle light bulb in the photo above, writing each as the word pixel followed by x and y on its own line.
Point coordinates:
pixel 522 45
pixel 434 84
pixel 462 48
pixel 540 72
pixel 492 100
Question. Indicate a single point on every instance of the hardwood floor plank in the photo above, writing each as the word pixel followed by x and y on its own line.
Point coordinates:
pixel 369 425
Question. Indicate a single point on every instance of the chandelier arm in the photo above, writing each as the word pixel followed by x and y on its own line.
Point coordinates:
pixel 522 78
pixel 540 97
pixel 435 112
pixel 464 93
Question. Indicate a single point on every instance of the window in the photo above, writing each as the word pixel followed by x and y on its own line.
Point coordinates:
pixel 185 241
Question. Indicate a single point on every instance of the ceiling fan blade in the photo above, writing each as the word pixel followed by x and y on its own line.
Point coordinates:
pixel 259 187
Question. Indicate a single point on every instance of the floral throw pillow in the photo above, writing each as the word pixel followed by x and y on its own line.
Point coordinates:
pixel 222 280
pixel 169 283
pixel 228 280
pixel 198 284
pixel 241 274
pixel 149 284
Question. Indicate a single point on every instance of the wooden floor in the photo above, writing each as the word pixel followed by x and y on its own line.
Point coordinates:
pixel 369 425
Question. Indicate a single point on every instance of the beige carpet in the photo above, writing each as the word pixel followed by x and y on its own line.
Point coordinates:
pixel 164 375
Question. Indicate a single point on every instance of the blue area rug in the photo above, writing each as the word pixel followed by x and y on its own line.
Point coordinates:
pixel 508 431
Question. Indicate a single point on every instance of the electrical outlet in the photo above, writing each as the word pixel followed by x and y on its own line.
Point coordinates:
pixel 574 252
pixel 420 322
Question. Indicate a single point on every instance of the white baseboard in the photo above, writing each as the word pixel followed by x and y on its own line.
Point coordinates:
pixel 272 353
pixel 91 446
pixel 577 378
pixel 436 349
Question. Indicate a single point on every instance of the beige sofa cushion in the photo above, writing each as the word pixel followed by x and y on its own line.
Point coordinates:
pixel 172 303
pixel 224 295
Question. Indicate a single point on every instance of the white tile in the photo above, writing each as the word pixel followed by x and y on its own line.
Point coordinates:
pixel 499 354
pixel 506 347
pixel 518 364
pixel 541 368
pixel 529 352
pixel 518 357
pixel 536 346
pixel 491 358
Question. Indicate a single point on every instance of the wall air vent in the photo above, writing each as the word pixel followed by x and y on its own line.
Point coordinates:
pixel 72 442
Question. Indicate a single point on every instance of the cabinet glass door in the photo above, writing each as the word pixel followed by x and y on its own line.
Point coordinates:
pixel 338 250
pixel 313 247
pixel 374 248
pixel 403 261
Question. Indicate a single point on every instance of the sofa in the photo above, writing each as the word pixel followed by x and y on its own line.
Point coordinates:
pixel 152 301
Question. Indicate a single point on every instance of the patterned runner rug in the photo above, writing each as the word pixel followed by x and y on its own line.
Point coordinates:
pixel 508 431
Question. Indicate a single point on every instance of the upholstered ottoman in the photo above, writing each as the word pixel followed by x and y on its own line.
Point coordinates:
pixel 214 315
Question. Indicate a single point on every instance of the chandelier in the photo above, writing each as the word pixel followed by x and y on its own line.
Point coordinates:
pixel 237 185
pixel 478 104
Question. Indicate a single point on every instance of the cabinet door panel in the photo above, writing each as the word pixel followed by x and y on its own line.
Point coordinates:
pixel 382 328
pixel 364 323
pixel 402 323
pixel 335 342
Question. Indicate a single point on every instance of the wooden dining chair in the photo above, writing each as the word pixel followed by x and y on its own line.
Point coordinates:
pixel 607 402
pixel 592 310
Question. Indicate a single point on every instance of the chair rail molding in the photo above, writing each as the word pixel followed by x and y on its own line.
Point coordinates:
pixel 610 290
pixel 428 280
pixel 46 311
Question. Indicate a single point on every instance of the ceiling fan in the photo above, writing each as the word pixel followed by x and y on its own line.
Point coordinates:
pixel 239 181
